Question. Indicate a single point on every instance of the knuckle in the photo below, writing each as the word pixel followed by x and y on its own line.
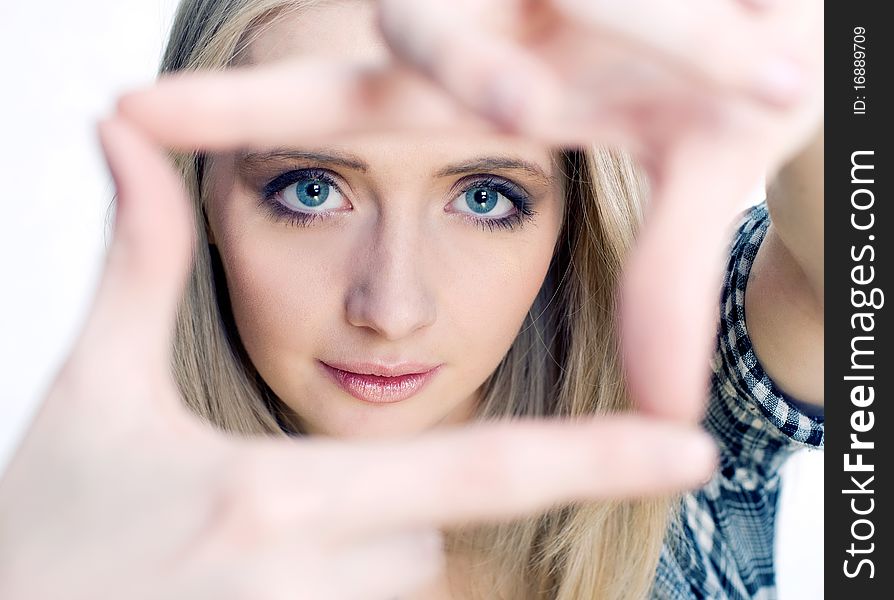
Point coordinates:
pixel 256 503
pixel 489 463
pixel 240 513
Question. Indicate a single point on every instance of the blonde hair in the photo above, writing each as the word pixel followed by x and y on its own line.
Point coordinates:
pixel 564 362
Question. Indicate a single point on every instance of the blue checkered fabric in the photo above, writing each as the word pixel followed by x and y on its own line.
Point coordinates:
pixel 722 545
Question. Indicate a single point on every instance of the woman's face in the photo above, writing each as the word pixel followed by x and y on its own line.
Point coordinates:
pixel 393 251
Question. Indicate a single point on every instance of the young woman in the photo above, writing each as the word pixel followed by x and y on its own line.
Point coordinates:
pixel 384 285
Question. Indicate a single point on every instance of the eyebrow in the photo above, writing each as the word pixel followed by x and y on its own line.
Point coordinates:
pixel 349 161
pixel 495 163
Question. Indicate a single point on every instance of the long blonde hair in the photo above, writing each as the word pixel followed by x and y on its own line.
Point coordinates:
pixel 564 362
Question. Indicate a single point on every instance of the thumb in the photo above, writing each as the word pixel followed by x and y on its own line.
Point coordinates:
pixel 131 322
pixel 671 292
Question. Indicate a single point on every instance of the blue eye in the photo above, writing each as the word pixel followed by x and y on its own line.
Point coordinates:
pixel 303 196
pixel 299 196
pixel 312 193
pixel 482 200
pixel 494 202
pixel 308 190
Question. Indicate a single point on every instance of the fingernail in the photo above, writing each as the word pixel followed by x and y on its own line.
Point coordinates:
pixel 781 83
pixel 699 451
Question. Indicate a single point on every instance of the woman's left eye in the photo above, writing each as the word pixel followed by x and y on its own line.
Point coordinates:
pixel 494 202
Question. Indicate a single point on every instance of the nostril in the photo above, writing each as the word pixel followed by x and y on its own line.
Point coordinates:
pixel 393 313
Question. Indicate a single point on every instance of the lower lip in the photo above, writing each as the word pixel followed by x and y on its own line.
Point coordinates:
pixel 376 389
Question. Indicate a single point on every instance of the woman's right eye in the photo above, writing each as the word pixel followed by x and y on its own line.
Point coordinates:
pixel 302 196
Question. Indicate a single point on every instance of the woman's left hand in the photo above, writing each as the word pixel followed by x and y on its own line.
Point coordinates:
pixel 676 88
pixel 709 95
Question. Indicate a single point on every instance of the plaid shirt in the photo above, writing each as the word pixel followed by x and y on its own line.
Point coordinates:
pixel 722 545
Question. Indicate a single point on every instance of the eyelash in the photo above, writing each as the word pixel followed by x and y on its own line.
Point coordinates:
pixel 281 213
pixel 513 192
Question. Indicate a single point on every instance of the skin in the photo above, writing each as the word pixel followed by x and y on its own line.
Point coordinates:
pixel 784 300
pixel 114 464
pixel 400 273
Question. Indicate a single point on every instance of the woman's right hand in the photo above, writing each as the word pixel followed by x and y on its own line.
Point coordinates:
pixel 117 491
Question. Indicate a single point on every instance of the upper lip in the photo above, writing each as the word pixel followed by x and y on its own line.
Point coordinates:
pixel 382 370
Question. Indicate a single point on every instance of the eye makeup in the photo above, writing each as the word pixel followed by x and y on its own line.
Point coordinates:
pixel 513 192
pixel 473 192
pixel 270 198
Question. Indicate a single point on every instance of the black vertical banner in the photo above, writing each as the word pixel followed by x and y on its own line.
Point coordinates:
pixel 859 368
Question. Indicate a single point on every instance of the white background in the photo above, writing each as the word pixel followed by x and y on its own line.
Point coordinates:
pixel 63 63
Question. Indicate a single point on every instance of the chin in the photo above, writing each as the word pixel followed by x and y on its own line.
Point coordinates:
pixel 378 422
pixel 345 417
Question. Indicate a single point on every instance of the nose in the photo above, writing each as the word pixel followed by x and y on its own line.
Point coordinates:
pixel 390 292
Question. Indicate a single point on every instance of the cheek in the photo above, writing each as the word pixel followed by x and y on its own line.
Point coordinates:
pixel 288 289
pixel 276 282
pixel 282 299
pixel 492 284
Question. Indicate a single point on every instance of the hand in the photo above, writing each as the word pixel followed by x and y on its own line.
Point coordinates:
pixel 709 95
pixel 576 68
pixel 118 492
pixel 676 87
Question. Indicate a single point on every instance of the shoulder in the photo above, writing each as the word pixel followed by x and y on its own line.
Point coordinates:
pixel 747 404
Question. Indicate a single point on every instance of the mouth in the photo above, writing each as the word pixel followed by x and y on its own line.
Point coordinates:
pixel 376 388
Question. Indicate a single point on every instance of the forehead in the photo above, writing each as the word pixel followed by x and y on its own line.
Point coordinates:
pixel 339 29
pixel 347 30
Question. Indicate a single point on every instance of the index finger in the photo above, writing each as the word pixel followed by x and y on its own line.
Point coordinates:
pixel 482 473
pixel 217 111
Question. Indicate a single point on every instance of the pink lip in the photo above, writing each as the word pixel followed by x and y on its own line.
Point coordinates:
pixel 381 389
